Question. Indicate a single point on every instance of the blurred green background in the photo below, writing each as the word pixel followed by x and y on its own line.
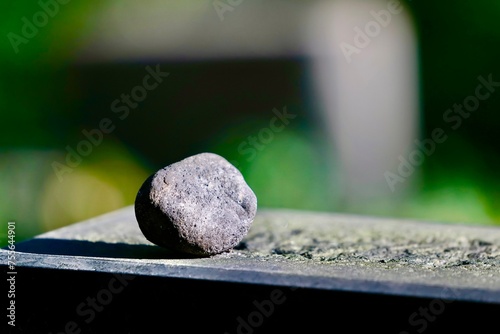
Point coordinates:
pixel 48 96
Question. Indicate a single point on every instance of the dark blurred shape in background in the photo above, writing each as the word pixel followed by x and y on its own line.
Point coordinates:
pixel 346 106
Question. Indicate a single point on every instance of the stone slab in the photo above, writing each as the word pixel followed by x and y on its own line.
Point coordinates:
pixel 295 249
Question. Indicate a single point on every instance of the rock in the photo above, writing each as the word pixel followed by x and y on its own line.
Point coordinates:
pixel 200 205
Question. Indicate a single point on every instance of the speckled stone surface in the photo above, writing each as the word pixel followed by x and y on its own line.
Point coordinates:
pixel 295 248
pixel 200 205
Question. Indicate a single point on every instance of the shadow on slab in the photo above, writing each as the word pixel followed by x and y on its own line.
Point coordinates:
pixel 97 249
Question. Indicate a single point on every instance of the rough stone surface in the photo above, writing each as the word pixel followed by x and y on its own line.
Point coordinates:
pixel 384 243
pixel 294 248
pixel 200 205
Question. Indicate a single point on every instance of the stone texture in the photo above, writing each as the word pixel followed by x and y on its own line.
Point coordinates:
pixel 200 205
pixel 293 248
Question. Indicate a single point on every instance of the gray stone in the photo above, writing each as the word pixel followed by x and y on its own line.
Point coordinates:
pixel 200 205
